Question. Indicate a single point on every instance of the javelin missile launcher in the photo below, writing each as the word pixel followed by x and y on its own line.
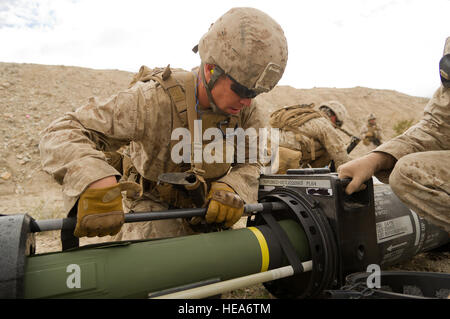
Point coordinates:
pixel 303 238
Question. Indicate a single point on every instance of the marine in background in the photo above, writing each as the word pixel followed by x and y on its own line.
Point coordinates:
pixel 371 133
pixel 309 136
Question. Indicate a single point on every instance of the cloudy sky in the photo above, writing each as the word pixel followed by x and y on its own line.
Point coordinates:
pixel 383 44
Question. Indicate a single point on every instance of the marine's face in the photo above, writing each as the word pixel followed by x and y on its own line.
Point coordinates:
pixel 226 99
pixel 333 118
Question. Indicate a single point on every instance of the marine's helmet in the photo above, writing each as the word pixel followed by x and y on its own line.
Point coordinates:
pixel 371 117
pixel 248 46
pixel 337 108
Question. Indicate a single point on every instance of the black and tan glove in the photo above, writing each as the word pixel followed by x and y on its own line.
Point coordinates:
pixel 100 210
pixel 224 205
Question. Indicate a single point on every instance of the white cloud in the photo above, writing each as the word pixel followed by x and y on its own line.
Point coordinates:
pixel 18 14
pixel 380 44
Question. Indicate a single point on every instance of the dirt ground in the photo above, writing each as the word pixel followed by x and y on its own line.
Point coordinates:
pixel 32 96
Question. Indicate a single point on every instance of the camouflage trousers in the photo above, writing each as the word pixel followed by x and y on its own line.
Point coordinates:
pixel 151 229
pixel 422 182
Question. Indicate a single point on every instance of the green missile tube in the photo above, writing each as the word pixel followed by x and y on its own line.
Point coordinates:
pixel 138 268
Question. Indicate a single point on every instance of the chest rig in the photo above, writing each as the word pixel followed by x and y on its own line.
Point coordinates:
pixel 185 184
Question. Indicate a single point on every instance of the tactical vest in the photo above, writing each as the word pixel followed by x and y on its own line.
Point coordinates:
pixel 181 88
pixel 290 118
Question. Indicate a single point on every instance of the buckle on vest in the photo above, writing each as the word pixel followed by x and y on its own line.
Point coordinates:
pixel 192 181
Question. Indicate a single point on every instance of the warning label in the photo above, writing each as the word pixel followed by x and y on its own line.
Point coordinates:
pixel 321 183
pixel 394 228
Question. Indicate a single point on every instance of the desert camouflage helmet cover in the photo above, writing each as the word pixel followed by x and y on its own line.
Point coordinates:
pixel 249 46
pixel 371 117
pixel 338 109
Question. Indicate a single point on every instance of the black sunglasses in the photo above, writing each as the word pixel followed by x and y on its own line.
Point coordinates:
pixel 241 90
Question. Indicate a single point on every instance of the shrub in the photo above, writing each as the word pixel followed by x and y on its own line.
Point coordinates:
pixel 402 126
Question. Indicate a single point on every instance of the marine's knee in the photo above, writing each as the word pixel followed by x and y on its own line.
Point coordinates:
pixel 404 172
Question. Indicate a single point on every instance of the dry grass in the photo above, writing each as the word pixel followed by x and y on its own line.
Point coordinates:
pixel 402 126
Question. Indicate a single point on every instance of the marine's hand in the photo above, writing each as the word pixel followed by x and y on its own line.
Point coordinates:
pixel 359 170
pixel 362 169
pixel 224 206
pixel 100 210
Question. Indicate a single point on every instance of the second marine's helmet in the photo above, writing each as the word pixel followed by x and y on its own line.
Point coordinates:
pixel 337 108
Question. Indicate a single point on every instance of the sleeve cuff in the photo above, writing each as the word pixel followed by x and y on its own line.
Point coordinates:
pixel 86 171
pixel 244 180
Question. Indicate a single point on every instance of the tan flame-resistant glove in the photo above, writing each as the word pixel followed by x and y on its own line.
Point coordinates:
pixel 100 210
pixel 224 205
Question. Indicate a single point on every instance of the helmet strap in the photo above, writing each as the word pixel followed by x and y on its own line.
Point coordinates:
pixel 218 72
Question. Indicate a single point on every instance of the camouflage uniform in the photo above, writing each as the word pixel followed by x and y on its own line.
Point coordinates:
pixel 317 140
pixel 421 176
pixel 143 117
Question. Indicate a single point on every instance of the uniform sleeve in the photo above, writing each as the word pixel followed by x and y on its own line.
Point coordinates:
pixel 432 133
pixel 322 130
pixel 72 146
pixel 244 178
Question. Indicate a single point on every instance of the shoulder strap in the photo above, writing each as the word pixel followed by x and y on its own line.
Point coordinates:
pixel 181 88
pixel 168 82
pixel 196 145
